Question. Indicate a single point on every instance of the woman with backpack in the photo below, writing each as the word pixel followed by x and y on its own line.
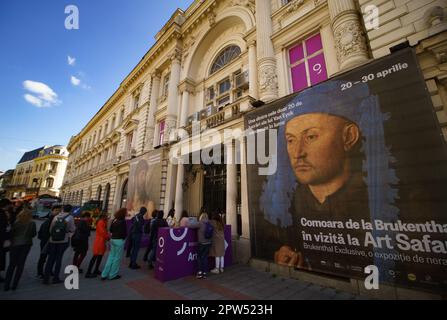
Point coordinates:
pixel 99 246
pixel 218 243
pixel 118 230
pixel 205 235
pixel 79 241
pixel 23 231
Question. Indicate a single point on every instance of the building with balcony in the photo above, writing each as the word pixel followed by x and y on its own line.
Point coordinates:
pixel 5 181
pixel 214 62
pixel 38 172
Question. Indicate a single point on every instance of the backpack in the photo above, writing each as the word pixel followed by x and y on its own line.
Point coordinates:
pixel 209 230
pixel 59 230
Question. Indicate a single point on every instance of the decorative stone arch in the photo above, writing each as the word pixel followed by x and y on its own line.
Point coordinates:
pixel 227 19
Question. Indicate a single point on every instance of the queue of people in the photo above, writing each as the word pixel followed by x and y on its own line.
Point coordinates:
pixel 59 231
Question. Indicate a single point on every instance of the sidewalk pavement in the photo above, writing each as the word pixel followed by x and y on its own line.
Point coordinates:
pixel 239 282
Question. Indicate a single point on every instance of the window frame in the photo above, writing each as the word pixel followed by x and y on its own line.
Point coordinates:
pixel 214 69
pixel 304 60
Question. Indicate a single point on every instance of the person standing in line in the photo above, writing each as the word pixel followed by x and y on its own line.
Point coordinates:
pixel 23 231
pixel 79 241
pixel 205 235
pixel 44 236
pixel 118 230
pixel 136 233
pixel 147 230
pixel 157 224
pixel 5 205
pixel 172 222
pixel 61 229
pixel 99 246
pixel 217 249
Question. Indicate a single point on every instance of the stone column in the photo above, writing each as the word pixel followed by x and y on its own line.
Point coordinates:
pixel 152 108
pixel 231 214
pixel 244 191
pixel 268 79
pixel 179 190
pixel 253 70
pixel 350 40
pixel 174 80
pixel 185 108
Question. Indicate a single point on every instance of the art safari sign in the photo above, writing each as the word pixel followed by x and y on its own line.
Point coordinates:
pixel 361 178
pixel 177 253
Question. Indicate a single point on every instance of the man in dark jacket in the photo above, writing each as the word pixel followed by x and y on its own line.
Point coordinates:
pixel 158 223
pixel 136 233
pixel 44 235
pixel 5 204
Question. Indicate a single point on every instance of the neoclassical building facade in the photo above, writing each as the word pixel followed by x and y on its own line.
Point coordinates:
pixel 211 64
pixel 39 172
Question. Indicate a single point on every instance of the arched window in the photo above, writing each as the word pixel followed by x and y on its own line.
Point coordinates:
pixel 225 57
pixel 106 197
pixel 98 193
pixel 50 182
pixel 123 202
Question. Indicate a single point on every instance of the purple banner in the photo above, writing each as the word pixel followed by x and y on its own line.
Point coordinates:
pixel 177 253
pixel 317 69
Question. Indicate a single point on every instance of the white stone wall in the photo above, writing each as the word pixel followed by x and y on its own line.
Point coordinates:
pixel 401 20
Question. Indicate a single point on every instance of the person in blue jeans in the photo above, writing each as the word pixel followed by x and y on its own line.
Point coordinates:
pixel 136 233
pixel 61 229
pixel 118 229
pixel 205 241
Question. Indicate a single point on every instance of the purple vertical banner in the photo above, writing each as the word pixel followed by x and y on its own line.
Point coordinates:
pixel 177 253
pixel 314 44
pixel 296 54
pixel 299 77
pixel 317 69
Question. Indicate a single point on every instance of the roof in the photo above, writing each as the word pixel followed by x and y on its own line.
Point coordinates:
pixel 30 155
pixel 8 172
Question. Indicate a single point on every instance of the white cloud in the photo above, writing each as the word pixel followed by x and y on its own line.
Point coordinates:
pixel 71 60
pixel 43 96
pixel 33 100
pixel 78 83
pixel 75 81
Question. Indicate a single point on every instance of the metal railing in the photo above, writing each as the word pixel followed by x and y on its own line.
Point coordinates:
pixel 226 114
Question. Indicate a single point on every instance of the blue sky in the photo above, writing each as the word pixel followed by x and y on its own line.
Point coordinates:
pixel 44 99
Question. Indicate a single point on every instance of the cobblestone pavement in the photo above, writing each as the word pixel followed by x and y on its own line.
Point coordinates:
pixel 239 282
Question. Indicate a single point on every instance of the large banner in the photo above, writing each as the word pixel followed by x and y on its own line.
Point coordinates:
pixel 144 183
pixel 359 177
pixel 177 253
